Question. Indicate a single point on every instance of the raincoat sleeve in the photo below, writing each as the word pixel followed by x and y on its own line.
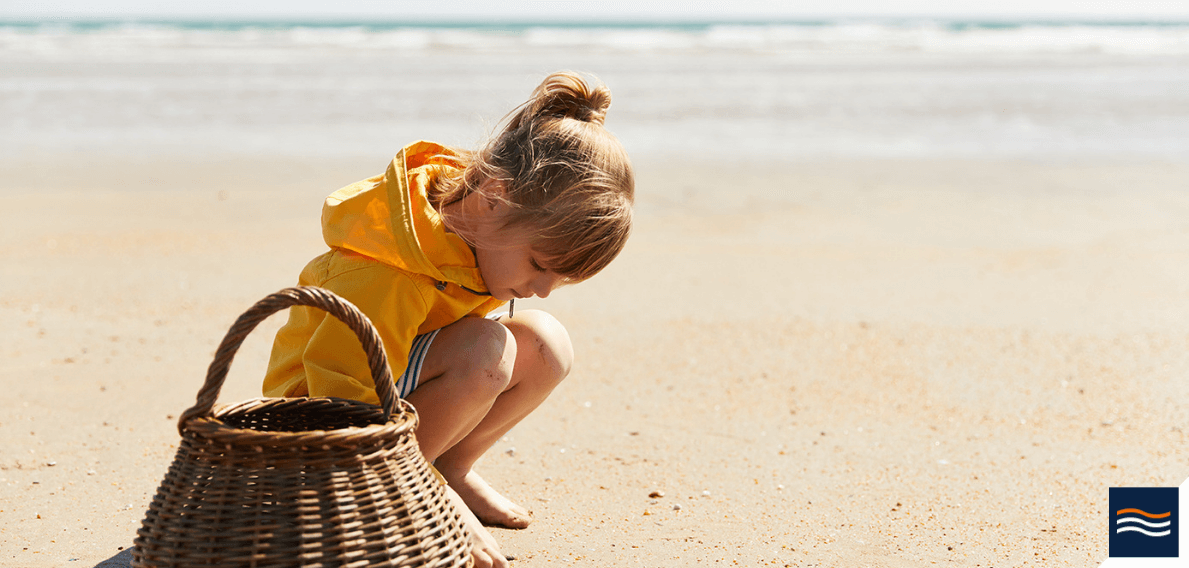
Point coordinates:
pixel 315 354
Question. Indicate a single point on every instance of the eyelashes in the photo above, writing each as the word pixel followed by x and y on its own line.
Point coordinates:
pixel 536 266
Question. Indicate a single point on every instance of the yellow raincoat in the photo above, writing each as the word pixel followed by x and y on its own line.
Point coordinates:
pixel 392 257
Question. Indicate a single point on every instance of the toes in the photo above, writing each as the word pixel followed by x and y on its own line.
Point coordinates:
pixel 506 519
pixel 516 522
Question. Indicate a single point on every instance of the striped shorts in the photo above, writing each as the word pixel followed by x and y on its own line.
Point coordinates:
pixel 407 381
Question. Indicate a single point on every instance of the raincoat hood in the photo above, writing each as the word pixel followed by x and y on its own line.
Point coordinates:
pixel 389 218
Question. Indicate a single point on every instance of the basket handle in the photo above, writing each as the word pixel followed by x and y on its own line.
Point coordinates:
pixel 296 296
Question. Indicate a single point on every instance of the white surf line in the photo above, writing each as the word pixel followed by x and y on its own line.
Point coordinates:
pixel 1139 530
pixel 1143 522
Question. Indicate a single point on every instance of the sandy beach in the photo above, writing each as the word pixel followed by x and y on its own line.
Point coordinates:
pixel 896 295
pixel 872 369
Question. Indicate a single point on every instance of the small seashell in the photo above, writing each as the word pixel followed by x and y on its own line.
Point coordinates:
pixel 656 494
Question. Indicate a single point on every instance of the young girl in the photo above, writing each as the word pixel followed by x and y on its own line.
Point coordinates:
pixel 428 249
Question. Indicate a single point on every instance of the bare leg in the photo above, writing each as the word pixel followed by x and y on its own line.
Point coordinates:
pixel 468 365
pixel 541 356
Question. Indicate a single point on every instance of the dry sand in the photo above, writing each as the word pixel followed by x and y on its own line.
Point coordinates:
pixel 829 363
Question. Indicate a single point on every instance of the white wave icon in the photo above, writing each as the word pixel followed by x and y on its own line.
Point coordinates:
pixel 1131 521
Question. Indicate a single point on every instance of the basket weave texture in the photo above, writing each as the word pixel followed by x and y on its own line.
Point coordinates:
pixel 312 482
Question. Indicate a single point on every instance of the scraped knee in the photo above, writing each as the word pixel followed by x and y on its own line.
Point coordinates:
pixel 543 345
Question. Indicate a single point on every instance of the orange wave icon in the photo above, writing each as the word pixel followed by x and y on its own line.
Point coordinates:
pixel 1144 513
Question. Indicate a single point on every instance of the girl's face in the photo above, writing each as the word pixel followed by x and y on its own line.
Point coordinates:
pixel 509 265
pixel 512 269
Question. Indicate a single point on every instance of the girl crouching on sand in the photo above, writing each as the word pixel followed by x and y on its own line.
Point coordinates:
pixel 428 249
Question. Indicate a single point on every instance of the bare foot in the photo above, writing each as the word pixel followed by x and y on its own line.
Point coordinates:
pixel 487 504
pixel 484 550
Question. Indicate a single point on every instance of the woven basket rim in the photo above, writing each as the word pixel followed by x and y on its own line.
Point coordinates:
pixel 215 428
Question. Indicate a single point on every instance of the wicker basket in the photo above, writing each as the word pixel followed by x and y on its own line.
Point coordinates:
pixel 300 481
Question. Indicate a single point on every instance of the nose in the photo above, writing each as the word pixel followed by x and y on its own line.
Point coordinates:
pixel 542 285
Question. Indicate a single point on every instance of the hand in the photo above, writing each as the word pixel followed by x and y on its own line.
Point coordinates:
pixel 484 548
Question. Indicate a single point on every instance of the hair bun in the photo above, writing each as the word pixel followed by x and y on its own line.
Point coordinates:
pixel 566 94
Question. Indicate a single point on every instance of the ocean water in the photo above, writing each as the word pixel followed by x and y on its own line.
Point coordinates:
pixel 794 90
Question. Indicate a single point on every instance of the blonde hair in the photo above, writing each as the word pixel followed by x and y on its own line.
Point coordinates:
pixel 566 178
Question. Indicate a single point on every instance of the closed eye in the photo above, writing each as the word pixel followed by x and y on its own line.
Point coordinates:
pixel 536 266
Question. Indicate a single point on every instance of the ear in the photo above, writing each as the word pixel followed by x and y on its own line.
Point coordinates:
pixel 491 200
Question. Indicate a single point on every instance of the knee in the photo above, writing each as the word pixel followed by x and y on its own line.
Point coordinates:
pixel 489 359
pixel 543 344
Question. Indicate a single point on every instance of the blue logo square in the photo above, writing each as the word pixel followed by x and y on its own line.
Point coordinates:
pixel 1144 522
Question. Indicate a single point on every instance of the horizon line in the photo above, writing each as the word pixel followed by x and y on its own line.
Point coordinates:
pixel 628 21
